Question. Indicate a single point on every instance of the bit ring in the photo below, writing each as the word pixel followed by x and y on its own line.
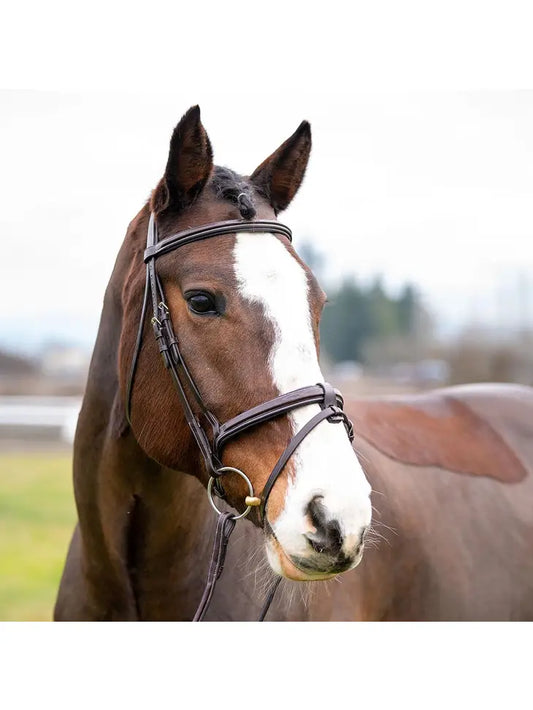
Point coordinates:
pixel 225 469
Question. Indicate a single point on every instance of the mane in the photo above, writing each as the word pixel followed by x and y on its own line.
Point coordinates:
pixel 229 185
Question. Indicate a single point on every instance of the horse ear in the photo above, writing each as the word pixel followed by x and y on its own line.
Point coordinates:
pixel 280 175
pixel 190 161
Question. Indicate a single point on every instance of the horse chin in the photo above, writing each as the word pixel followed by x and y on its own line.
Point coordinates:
pixel 285 566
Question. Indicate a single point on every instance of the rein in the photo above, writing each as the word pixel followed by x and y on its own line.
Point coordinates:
pixel 211 446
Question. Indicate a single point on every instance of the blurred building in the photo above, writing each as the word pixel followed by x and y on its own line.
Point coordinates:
pixel 57 370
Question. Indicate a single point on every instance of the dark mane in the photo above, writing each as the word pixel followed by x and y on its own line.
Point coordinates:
pixel 228 185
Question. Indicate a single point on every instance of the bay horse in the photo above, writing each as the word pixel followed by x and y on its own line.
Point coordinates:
pixel 448 473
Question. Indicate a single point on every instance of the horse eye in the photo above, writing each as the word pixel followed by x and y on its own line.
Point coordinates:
pixel 201 303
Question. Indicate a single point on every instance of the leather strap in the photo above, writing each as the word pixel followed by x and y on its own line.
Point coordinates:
pixel 333 413
pixel 313 394
pixel 225 526
pixel 268 601
pixel 215 229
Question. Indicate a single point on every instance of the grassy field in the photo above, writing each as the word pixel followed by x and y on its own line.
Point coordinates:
pixel 37 517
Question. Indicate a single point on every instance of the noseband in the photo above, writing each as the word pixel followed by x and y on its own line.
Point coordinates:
pixel 211 446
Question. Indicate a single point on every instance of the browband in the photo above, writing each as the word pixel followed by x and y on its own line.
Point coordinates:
pixel 215 229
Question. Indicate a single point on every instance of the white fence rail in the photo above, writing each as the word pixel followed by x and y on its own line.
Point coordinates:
pixel 54 415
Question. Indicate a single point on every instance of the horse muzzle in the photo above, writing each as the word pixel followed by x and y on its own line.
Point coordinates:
pixel 321 550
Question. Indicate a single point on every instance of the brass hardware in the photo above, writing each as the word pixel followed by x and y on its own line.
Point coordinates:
pixel 252 501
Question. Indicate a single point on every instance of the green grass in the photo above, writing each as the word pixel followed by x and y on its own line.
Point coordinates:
pixel 37 516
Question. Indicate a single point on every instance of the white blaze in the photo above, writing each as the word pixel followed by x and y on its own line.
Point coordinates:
pixel 324 463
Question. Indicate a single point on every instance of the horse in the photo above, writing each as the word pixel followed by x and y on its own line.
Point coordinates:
pixel 443 480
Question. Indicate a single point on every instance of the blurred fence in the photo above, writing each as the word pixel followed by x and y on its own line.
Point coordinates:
pixel 39 418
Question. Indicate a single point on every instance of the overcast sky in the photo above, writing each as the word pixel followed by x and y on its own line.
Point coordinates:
pixel 431 188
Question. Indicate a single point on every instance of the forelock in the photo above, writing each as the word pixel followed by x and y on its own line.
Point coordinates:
pixel 229 185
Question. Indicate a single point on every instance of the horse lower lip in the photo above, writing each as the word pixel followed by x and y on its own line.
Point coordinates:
pixel 310 566
pixel 305 568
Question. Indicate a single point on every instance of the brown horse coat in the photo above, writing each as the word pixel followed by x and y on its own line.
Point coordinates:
pixel 452 478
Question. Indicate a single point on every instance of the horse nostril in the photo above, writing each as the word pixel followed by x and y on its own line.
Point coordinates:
pixel 325 536
pixel 326 540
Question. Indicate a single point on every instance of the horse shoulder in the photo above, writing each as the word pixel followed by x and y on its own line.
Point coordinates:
pixel 479 430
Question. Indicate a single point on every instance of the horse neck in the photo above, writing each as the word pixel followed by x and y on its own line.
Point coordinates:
pixel 131 509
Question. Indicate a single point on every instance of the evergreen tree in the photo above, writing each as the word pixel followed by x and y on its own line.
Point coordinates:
pixel 356 316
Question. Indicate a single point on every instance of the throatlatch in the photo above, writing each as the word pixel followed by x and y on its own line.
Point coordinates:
pixel 211 445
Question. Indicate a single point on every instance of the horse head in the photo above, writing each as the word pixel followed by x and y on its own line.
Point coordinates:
pixel 245 310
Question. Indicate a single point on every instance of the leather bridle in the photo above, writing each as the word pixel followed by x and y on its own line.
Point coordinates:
pixel 211 446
